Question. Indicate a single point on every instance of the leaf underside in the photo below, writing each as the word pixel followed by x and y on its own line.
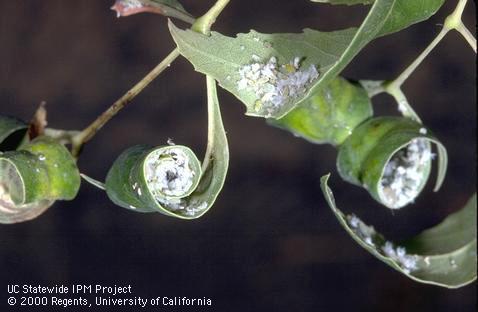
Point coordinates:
pixel 170 8
pixel 223 57
pixel 445 254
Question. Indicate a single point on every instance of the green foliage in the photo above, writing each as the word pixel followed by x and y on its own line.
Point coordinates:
pixel 444 255
pixel 223 58
pixel 129 185
pixel 330 115
pixel 400 13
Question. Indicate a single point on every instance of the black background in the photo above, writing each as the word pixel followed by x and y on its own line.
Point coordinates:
pixel 270 243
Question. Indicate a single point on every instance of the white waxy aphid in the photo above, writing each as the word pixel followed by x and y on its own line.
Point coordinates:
pixel 275 85
pixel 402 108
pixel 169 173
pixel 364 231
pixel 5 197
pixel 404 174
pixel 407 262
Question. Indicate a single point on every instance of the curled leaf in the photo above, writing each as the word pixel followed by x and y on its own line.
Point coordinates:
pixel 32 178
pixel 12 133
pixel 269 73
pixel 330 115
pixel 273 73
pixel 401 13
pixel 170 179
pixel 444 255
pixel 391 158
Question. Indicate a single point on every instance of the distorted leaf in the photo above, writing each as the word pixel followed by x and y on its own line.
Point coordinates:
pixel 391 158
pixel 330 115
pixel 171 8
pixel 272 73
pixel 403 13
pixel 444 255
pixel 12 133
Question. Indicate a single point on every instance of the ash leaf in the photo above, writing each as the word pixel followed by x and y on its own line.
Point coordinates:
pixel 444 255
pixel 170 8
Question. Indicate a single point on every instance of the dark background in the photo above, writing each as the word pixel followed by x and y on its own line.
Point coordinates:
pixel 270 243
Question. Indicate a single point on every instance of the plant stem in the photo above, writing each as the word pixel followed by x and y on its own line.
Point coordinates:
pixel 397 83
pixel 204 23
pixel 89 132
pixel 455 16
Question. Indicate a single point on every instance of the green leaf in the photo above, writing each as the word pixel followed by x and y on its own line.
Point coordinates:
pixel 224 58
pixel 444 255
pixel 330 115
pixel 406 13
pixel 391 158
pixel 32 178
pixel 242 65
pixel 171 8
pixel 23 213
pixel 12 133
pixel 129 184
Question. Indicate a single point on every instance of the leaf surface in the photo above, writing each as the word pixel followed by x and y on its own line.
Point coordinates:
pixel 444 255
pixel 242 64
